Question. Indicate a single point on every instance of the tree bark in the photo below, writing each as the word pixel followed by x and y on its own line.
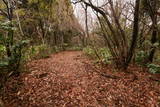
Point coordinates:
pixel 153 39
pixel 153 14
pixel 134 34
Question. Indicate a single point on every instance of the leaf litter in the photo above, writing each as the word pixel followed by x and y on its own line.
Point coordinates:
pixel 70 79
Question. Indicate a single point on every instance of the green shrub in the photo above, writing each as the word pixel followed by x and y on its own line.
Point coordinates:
pixel 12 63
pixel 100 55
pixel 2 51
pixel 141 56
pixel 74 48
pixel 37 52
pixel 43 51
pixel 153 68
pixel 104 55
pixel 89 51
pixel 2 48
pixel 64 46
pixel 157 56
pixel 55 49
pixel 3 63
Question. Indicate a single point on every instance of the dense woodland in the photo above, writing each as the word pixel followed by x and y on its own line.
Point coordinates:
pixel 117 37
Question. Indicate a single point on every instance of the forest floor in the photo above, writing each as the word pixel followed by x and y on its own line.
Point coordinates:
pixel 70 79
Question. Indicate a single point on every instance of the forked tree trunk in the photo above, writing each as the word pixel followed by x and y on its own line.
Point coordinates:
pixel 134 34
pixel 122 54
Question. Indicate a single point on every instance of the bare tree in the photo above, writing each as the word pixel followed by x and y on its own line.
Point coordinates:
pixel 114 33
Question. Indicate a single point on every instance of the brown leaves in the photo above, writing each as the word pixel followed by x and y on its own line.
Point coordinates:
pixel 66 80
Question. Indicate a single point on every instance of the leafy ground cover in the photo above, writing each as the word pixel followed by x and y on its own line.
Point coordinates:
pixel 70 79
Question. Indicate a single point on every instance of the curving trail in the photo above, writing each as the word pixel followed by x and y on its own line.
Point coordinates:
pixel 66 79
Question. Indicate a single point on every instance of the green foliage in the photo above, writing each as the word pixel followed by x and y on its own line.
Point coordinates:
pixel 64 46
pixel 2 51
pixel 11 62
pixel 141 56
pixel 55 49
pixel 74 48
pixel 101 54
pixel 2 48
pixel 43 51
pixel 89 51
pixel 4 63
pixel 7 26
pixel 37 52
pixel 153 68
pixel 157 56
pixel 21 12
pixel 144 50
pixel 104 55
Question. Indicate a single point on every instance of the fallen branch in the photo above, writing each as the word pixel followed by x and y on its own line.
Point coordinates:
pixel 154 79
pixel 100 73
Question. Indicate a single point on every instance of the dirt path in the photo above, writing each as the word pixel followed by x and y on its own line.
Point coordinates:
pixel 64 80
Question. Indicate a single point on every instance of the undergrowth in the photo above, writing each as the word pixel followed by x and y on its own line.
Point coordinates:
pixel 98 54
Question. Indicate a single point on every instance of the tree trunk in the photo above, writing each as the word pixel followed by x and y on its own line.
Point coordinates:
pixel 134 35
pixel 9 43
pixel 153 14
pixel 42 30
pixel 153 39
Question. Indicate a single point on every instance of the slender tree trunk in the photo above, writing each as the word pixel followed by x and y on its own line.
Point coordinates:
pixel 153 14
pixel 42 30
pixel 86 25
pixel 153 39
pixel 19 23
pixel 9 43
pixel 134 35
pixel 55 38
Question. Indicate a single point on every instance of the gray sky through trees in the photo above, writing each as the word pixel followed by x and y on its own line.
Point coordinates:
pixel 80 12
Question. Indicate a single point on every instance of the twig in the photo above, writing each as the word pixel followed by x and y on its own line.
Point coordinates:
pixel 102 74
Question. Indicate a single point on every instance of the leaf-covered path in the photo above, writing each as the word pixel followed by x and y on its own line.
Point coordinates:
pixel 67 79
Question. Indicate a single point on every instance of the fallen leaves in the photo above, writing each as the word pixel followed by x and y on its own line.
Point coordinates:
pixel 67 79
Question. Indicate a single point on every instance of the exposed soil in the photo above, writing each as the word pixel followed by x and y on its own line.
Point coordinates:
pixel 69 79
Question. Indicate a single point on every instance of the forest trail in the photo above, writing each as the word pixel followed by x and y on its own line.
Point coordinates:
pixel 67 80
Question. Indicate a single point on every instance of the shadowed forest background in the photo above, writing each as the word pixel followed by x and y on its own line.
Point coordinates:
pixel 79 53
